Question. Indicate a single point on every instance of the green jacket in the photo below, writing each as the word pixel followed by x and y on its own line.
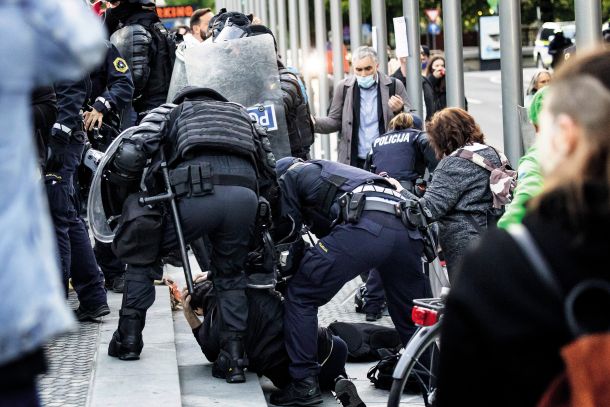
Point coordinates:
pixel 529 184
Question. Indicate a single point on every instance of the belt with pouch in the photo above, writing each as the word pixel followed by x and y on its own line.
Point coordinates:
pixel 199 180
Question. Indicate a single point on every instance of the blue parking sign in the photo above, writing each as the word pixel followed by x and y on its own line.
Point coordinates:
pixel 264 115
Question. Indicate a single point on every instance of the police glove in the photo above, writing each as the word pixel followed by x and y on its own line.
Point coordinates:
pixel 56 150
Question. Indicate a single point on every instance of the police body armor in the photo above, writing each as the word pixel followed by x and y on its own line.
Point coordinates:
pixel 396 154
pixel 151 78
pixel 244 71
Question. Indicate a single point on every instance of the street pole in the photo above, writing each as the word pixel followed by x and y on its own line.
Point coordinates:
pixel 282 33
pixel 355 24
pixel 293 22
pixel 273 17
pixel 414 80
pixel 379 23
pixel 249 7
pixel 336 28
pixel 305 42
pixel 588 23
pixel 452 21
pixel 512 76
pixel 264 13
pixel 320 24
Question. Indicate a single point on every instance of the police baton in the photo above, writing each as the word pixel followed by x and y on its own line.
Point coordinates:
pixel 171 197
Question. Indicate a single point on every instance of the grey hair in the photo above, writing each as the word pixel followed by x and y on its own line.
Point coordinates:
pixel 364 52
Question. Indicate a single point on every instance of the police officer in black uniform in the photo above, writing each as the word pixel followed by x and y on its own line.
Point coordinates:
pixel 403 153
pixel 109 103
pixel 65 150
pixel 215 155
pixel 358 218
pixel 148 49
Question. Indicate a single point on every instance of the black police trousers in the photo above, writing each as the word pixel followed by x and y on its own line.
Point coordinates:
pixel 227 218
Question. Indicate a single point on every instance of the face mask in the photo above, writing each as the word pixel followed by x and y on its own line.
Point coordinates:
pixel 365 82
pixel 423 65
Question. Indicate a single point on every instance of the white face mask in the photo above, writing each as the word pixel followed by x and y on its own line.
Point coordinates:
pixel 549 156
pixel 365 82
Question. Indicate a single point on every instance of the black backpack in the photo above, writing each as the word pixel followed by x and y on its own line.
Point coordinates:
pixel 298 115
pixel 366 342
pixel 381 375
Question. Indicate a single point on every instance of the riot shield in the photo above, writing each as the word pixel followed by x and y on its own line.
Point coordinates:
pixel 104 205
pixel 244 71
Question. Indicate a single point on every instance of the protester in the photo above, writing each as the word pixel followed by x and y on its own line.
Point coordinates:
pixel 459 196
pixel 55 40
pixel 354 108
pixel 557 46
pixel 501 318
pixel 435 94
pixel 540 79
pixel 424 55
pixel 200 21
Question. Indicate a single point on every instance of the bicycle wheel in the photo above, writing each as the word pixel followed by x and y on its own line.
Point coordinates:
pixel 419 363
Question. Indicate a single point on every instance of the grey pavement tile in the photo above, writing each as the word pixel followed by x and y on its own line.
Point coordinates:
pixel 147 390
pixel 159 358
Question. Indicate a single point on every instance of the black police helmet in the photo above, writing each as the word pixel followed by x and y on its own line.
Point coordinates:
pixel 283 164
pixel 217 23
pixel 196 92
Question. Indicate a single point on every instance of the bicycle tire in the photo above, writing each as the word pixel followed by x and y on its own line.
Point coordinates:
pixel 410 359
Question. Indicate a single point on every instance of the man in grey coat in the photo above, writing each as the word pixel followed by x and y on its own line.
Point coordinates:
pixel 362 112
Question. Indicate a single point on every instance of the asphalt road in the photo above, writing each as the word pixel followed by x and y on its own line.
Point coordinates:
pixel 483 90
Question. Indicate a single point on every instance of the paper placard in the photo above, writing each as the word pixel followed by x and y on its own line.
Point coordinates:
pixel 400 32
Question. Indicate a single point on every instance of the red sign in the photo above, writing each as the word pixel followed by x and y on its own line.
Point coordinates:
pixel 174 11
pixel 432 14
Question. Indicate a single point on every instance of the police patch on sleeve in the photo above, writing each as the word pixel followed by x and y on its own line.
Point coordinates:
pixel 120 65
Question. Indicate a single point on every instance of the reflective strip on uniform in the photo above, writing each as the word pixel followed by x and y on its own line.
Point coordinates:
pixel 104 101
pixel 63 128
pixel 378 189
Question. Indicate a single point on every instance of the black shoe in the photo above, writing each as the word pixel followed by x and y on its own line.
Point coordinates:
pixel 346 393
pixel 84 313
pixel 231 362
pixel 302 392
pixel 373 316
pixel 126 342
pixel 119 283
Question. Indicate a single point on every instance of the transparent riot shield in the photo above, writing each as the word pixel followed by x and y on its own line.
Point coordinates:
pixel 244 71
pixel 101 217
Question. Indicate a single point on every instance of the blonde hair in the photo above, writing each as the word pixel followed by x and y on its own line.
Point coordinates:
pixel 401 121
pixel 587 102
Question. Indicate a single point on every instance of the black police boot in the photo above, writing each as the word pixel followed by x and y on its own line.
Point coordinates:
pixel 346 393
pixel 231 362
pixel 301 392
pixel 126 342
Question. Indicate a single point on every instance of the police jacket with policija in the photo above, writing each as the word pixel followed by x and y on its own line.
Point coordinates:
pixel 310 191
pixel 204 124
pixel 403 154
pixel 111 85
pixel 264 341
pixel 150 53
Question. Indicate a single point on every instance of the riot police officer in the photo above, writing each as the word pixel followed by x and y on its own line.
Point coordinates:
pixel 404 153
pixel 66 145
pixel 358 217
pixel 109 102
pixel 148 49
pixel 216 159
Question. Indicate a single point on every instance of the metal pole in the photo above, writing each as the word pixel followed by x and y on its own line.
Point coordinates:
pixel 379 22
pixel 281 30
pixel 273 17
pixel 249 7
pixel 293 22
pixel 336 28
pixel 264 12
pixel 414 80
pixel 512 76
pixel 320 24
pixel 355 24
pixel 257 8
pixel 588 23
pixel 452 21
pixel 305 42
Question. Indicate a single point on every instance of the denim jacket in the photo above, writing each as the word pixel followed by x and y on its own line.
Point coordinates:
pixel 41 41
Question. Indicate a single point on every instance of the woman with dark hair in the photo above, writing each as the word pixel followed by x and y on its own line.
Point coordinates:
pixel 435 95
pixel 459 196
pixel 502 318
